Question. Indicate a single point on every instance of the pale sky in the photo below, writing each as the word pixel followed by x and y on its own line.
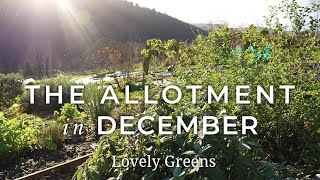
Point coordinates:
pixel 233 12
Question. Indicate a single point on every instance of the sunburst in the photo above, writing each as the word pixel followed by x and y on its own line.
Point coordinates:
pixel 63 4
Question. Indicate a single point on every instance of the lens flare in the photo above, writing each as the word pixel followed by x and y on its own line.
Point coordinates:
pixel 64 4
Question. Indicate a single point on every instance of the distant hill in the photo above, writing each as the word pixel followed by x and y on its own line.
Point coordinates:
pixel 207 26
pixel 31 26
pixel 211 27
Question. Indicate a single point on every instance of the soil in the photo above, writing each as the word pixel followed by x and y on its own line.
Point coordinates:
pixel 40 160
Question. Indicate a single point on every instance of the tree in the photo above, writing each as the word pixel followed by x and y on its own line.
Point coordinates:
pixel 300 17
pixel 154 48
pixel 27 69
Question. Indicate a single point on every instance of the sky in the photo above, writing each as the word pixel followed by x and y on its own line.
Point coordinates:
pixel 233 12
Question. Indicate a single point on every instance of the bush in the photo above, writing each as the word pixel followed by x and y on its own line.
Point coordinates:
pixel 53 131
pixel 10 88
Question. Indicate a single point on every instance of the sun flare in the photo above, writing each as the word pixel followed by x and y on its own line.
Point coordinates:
pixel 63 4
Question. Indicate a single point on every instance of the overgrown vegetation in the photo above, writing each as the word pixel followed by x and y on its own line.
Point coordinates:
pixel 21 135
pixel 288 140
pixel 40 96
pixel 10 88
pixel 92 96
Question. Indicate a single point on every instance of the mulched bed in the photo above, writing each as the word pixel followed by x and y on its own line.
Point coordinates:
pixel 41 160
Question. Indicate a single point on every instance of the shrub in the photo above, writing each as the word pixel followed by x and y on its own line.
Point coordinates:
pixel 10 88
pixel 53 131
pixel 92 96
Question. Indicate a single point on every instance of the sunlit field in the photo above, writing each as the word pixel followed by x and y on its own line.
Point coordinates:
pixel 116 90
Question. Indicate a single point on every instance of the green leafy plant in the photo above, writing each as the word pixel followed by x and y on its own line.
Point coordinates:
pixel 69 112
pixel 20 135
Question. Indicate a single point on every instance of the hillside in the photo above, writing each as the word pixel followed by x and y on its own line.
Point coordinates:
pixel 207 26
pixel 212 27
pixel 33 26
